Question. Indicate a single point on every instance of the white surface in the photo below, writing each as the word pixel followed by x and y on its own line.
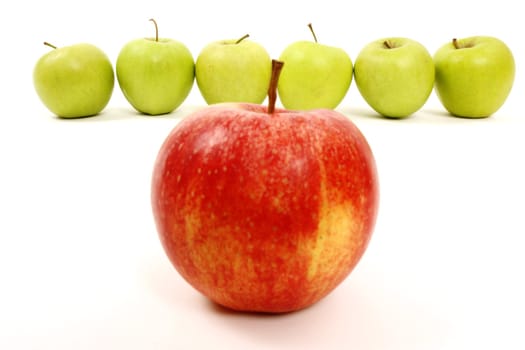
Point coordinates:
pixel 80 263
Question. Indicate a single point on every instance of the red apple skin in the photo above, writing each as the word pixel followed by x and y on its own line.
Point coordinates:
pixel 265 212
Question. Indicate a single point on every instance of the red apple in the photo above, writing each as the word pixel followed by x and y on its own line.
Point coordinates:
pixel 262 209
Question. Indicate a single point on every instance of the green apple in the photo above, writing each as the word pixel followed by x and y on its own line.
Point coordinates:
pixel 155 74
pixel 394 75
pixel 314 75
pixel 233 71
pixel 74 81
pixel 474 75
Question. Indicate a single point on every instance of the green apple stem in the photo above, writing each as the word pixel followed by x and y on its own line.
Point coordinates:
pixel 156 29
pixel 50 45
pixel 388 44
pixel 312 31
pixel 277 66
pixel 463 44
pixel 242 38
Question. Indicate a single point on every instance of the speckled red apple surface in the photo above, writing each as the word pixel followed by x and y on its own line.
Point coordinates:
pixel 265 212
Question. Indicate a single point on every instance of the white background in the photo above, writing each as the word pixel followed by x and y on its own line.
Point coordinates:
pixel 81 266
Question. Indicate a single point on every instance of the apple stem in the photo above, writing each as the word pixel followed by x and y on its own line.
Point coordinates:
pixel 50 45
pixel 242 38
pixel 156 29
pixel 312 31
pixel 388 44
pixel 277 66
pixel 455 43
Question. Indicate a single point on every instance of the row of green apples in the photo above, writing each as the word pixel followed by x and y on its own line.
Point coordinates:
pixel 472 76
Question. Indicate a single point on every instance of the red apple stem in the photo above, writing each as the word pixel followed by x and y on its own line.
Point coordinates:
pixel 277 66
pixel 50 45
pixel 156 29
pixel 242 38
pixel 312 31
